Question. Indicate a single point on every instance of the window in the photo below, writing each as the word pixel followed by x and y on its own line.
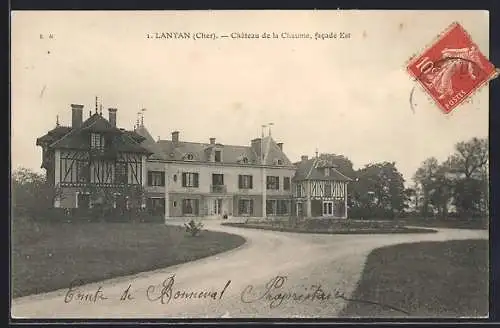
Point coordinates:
pixel 245 182
pixel 244 160
pixel 190 180
pixel 190 206
pixel 279 207
pixel 189 157
pixel 156 206
pixel 327 171
pixel 298 189
pixel 156 178
pixel 83 200
pixel 286 183
pixel 327 208
pixel 218 179
pixel 279 162
pixel 273 183
pixel 218 156
pixel 96 141
pixel 175 177
pixel 271 207
pixel 121 174
pixel 283 207
pixel 245 206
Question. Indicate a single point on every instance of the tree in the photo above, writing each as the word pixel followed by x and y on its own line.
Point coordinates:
pixel 379 190
pixel 440 190
pixel 461 179
pixel 469 163
pixel 31 194
pixel 424 179
pixel 471 157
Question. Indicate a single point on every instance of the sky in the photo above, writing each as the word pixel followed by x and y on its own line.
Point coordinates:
pixel 347 96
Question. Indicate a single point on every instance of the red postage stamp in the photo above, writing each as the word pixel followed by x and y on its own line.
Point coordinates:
pixel 452 68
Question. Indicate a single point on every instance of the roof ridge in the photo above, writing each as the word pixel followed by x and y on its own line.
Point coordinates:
pixel 311 168
pixel 345 176
pixel 203 143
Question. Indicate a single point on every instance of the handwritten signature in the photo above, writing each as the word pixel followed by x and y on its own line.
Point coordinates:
pixel 273 294
pixel 164 293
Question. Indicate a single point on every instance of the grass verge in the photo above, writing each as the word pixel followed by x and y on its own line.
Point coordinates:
pixel 48 257
pixel 332 230
pixel 428 279
pixel 452 223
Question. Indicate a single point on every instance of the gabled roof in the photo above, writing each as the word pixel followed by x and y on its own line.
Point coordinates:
pixel 53 135
pixel 77 138
pixel 313 169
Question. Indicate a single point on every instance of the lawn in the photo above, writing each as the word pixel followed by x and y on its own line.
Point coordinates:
pixel 428 279
pixel 331 226
pixel 51 256
pixel 454 223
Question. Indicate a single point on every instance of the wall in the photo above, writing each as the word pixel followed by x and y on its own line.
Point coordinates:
pixel 173 178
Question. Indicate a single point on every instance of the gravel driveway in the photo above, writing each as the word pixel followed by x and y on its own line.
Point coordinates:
pixel 274 274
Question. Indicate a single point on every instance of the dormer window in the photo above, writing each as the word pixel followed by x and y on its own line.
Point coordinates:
pixel 96 141
pixel 278 162
pixel 244 160
pixel 189 157
pixel 218 156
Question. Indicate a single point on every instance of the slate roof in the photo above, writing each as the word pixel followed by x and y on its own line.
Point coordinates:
pixel 231 154
pixel 312 169
pixel 77 138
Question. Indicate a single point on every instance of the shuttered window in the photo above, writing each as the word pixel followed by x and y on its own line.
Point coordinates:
pixel 156 178
pixel 273 183
pixel 245 182
pixel 190 180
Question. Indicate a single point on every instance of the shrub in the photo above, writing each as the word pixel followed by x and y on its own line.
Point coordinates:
pixel 193 228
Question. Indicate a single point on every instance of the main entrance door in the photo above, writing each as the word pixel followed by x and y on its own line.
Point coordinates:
pixel 217 206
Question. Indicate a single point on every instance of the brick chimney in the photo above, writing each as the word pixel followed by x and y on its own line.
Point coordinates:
pixel 76 115
pixel 175 137
pixel 304 158
pixel 212 141
pixel 112 116
pixel 280 144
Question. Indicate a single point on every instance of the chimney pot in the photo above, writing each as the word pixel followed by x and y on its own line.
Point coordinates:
pixel 280 144
pixel 304 157
pixel 212 141
pixel 76 115
pixel 112 116
pixel 175 137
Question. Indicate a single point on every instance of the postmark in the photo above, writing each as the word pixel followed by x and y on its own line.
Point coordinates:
pixel 452 68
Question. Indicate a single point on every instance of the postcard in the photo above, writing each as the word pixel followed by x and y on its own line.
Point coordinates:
pixel 250 164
